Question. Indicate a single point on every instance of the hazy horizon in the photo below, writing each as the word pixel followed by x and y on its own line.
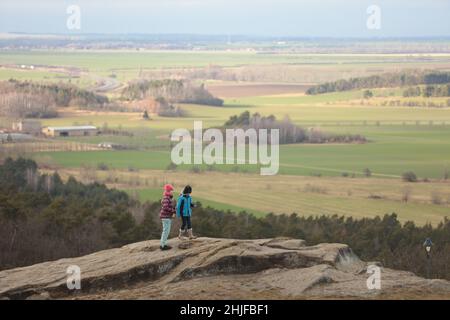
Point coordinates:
pixel 270 18
pixel 250 36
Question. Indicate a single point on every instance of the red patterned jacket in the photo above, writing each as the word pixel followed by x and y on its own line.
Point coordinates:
pixel 167 207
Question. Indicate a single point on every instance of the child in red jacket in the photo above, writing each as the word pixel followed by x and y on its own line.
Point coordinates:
pixel 166 215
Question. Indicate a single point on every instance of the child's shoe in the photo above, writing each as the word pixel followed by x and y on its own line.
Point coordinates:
pixel 191 235
pixel 181 234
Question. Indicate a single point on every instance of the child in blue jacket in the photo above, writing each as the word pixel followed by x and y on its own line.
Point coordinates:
pixel 184 210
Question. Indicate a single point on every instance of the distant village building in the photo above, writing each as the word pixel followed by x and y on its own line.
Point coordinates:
pixel 74 131
pixel 106 145
pixel 112 146
pixel 27 126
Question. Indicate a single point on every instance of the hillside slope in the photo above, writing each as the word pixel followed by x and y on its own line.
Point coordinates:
pixel 208 268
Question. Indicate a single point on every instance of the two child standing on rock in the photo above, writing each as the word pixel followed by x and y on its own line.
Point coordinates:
pixel 182 209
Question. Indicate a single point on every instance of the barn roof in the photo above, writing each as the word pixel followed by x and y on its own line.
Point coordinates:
pixel 73 128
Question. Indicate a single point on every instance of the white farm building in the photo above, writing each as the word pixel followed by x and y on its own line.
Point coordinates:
pixel 70 131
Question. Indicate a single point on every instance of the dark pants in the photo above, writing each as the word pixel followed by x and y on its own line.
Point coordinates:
pixel 186 223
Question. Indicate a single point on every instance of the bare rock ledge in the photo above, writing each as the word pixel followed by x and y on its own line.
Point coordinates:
pixel 208 268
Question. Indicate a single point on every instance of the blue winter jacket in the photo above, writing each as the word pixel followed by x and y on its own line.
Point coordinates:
pixel 184 205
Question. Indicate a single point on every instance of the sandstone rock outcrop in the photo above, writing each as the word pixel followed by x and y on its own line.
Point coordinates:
pixel 217 269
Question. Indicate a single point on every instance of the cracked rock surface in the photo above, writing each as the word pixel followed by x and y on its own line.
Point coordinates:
pixel 210 268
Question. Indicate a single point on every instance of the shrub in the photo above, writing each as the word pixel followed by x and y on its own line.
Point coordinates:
pixel 315 189
pixel 367 94
pixel 196 169
pixel 132 169
pixel 171 166
pixel 436 198
pixel 446 175
pixel 406 194
pixel 235 169
pixel 409 176
pixel 102 166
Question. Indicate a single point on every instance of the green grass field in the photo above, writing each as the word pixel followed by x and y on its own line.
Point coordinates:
pixel 116 60
pixel 127 65
pixel 6 74
pixel 392 150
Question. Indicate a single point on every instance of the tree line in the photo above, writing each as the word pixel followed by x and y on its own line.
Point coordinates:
pixel 174 91
pixel 43 218
pixel 165 109
pixel 27 99
pixel 388 80
pixel 409 103
pixel 289 131
pixel 428 91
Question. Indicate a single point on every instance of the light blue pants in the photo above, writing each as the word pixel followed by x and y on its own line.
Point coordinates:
pixel 166 224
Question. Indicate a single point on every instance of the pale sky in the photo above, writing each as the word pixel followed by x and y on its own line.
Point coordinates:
pixel 303 18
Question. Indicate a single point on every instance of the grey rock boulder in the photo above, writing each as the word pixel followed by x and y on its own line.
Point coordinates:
pixel 211 268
